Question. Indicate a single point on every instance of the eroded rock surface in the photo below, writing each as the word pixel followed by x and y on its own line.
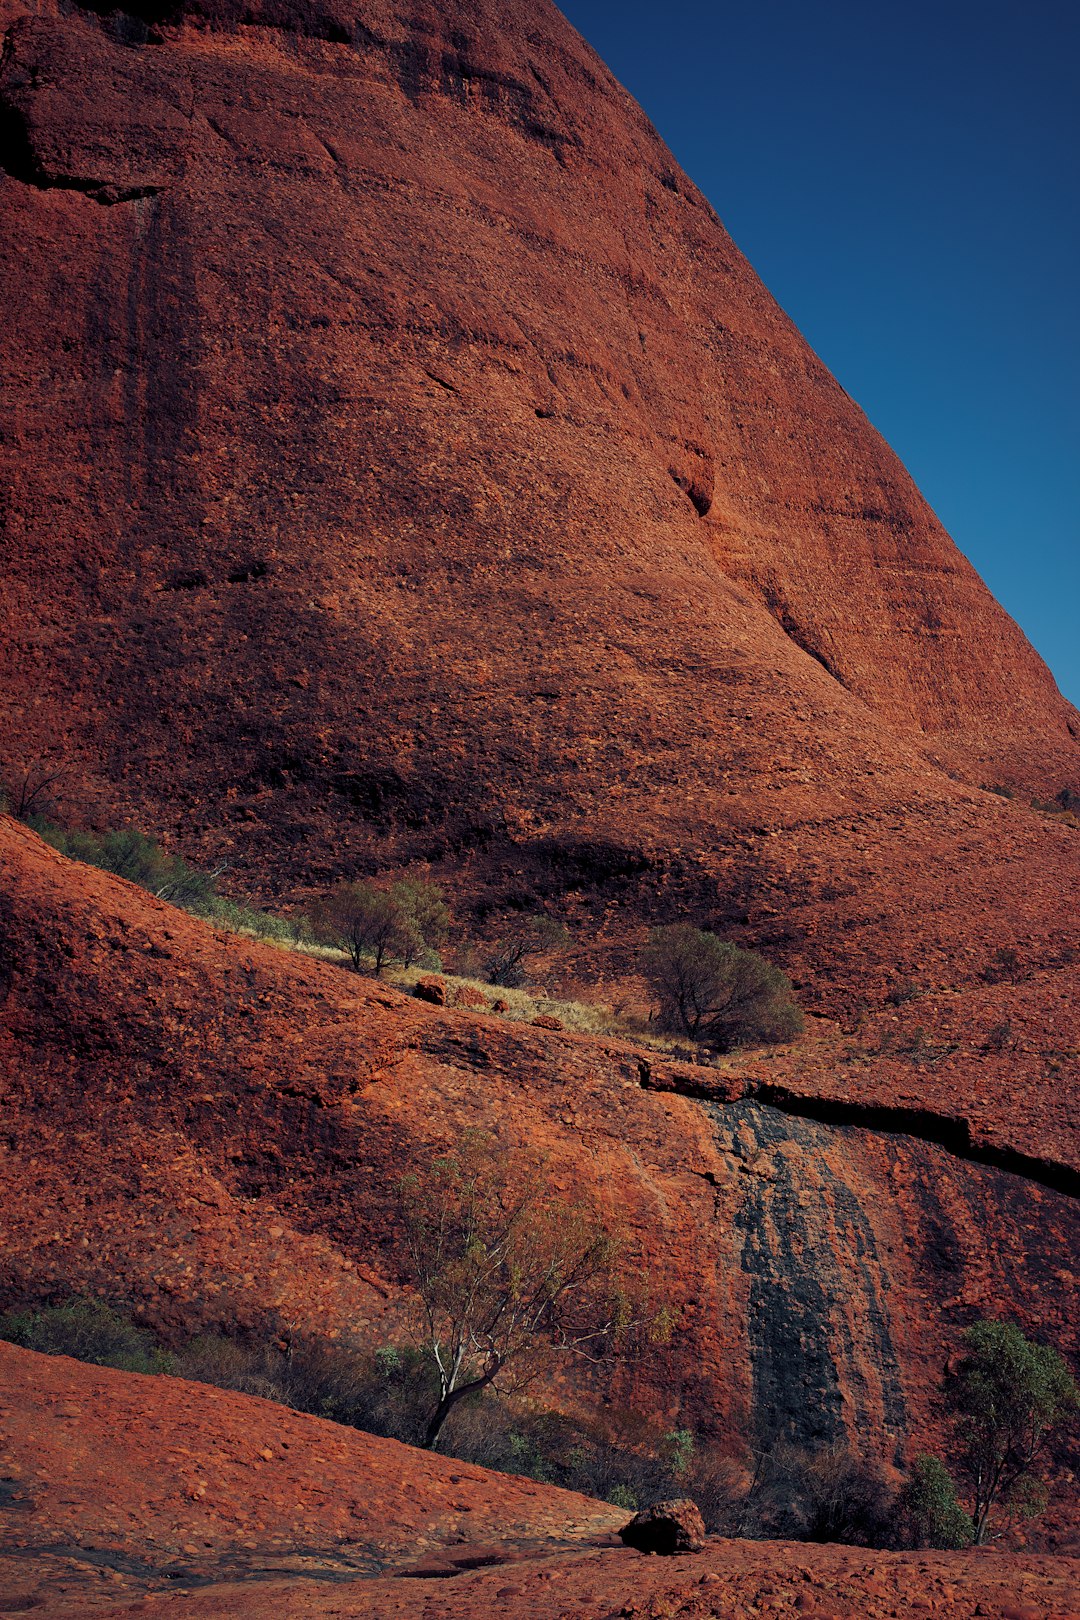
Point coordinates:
pixel 125 1496
pixel 402 464
pixel 215 1130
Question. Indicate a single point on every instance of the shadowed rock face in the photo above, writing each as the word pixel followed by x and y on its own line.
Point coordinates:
pixel 402 463
pixel 215 1130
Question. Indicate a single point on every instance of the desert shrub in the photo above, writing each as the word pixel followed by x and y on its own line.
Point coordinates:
pixel 716 992
pixel 508 960
pixel 87 1330
pixel 901 991
pixel 1005 966
pixel 388 1391
pixel 366 923
pixel 842 1497
pixel 252 1369
pixel 999 1038
pixel 244 919
pixel 130 854
pixel 928 1513
pixel 828 1494
pixel 551 1448
pixel 426 920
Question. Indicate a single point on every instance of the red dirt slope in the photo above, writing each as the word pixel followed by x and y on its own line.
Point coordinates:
pixel 402 464
pixel 182 1477
pixel 125 1495
pixel 215 1129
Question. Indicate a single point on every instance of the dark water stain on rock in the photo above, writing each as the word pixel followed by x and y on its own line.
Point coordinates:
pixel 823 1361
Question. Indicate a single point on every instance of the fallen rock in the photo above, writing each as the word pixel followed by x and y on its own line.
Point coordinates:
pixel 666 1527
pixel 433 990
pixel 546 1021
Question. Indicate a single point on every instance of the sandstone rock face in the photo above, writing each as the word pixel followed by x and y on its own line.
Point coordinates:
pixel 666 1528
pixel 401 463
pixel 215 1130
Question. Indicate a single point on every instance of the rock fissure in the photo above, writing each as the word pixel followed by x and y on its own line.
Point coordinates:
pixel 953 1133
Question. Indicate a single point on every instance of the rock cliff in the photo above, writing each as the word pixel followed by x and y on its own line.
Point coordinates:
pixel 402 463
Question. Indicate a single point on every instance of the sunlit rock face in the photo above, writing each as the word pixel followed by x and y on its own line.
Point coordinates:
pixel 401 463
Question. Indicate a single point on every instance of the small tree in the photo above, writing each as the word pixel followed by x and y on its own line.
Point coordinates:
pixel 426 918
pixel 505 1273
pixel 532 936
pixel 714 991
pixel 365 922
pixel 1008 1397
pixel 928 1508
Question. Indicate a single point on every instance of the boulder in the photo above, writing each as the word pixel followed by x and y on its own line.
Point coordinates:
pixel 433 990
pixel 546 1021
pixel 666 1527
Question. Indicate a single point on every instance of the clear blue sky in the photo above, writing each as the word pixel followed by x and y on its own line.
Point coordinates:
pixel 903 175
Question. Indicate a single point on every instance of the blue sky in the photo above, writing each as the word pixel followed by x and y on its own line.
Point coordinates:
pixel 904 178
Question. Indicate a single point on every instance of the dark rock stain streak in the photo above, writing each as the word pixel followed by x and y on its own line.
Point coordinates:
pixel 805 1239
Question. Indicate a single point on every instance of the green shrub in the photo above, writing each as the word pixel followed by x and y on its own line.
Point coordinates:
pixel 1008 1397
pixel 426 920
pixel 715 992
pixel 130 854
pixel 87 1330
pixel 929 1513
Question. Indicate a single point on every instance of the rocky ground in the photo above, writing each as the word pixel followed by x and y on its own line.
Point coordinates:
pixel 124 1495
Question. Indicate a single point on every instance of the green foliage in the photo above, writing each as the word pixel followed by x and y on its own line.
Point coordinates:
pixel 715 992
pixel 366 922
pixel 536 935
pixel 244 919
pixel 425 919
pixel 680 1446
pixel 87 1330
pixel 131 855
pixel 504 1271
pixel 928 1507
pixel 1008 1397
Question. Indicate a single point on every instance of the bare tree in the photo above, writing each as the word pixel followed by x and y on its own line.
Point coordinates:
pixel 31 792
pixel 531 936
pixel 505 1273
